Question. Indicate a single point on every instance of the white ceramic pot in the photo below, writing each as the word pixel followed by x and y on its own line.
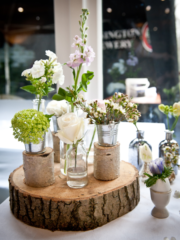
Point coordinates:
pixel 160 195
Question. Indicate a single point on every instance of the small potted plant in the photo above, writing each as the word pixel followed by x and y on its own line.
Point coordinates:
pixel 159 187
pixel 107 114
pixel 29 126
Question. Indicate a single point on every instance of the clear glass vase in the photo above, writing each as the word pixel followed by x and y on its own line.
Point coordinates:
pixel 41 106
pixel 168 141
pixel 63 163
pixel 77 166
pixel 89 139
pixel 134 145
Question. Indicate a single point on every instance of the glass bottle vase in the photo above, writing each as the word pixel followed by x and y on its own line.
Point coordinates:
pixel 77 167
pixel 168 141
pixel 134 145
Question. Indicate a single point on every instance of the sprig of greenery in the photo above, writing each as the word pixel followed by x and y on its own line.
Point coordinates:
pixel 152 179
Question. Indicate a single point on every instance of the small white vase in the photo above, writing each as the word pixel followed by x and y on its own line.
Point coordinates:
pixel 160 195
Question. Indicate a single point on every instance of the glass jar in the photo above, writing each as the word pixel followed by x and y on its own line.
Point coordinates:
pixel 63 163
pixel 41 106
pixel 167 142
pixel 134 157
pixel 77 167
pixel 89 139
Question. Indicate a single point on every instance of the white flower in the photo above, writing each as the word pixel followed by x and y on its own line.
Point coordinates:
pixel 58 108
pixel 71 128
pixel 119 94
pixel 38 69
pixel 116 106
pixel 51 54
pixel 130 104
pixel 43 79
pixel 176 194
pixel 96 115
pixel 169 155
pixel 136 118
pixel 58 74
pixel 145 153
pixel 80 96
pixel 176 109
pixel 26 72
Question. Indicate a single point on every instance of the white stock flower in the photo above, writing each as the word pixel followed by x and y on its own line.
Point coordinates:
pixel 43 79
pixel 38 69
pixel 26 72
pixel 145 153
pixel 51 54
pixel 58 74
pixel 58 108
pixel 71 128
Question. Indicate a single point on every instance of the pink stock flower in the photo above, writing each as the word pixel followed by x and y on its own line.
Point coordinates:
pixel 77 42
pixel 75 59
pixel 89 55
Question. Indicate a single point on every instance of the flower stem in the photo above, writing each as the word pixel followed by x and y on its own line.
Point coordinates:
pixel 39 102
pixel 94 132
pixel 77 76
pixel 168 121
pixel 65 162
pixel 174 124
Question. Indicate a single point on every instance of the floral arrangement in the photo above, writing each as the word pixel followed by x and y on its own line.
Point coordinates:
pixel 42 75
pixel 158 170
pixel 110 111
pixel 83 55
pixel 171 154
pixel 172 111
pixel 71 128
pixel 57 108
pixel 30 125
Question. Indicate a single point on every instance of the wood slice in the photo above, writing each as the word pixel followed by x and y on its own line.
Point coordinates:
pixel 56 147
pixel 106 162
pixel 59 207
pixel 39 168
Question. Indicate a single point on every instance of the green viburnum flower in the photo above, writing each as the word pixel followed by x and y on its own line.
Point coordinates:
pixel 29 126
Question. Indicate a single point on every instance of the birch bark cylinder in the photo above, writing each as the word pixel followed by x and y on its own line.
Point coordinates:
pixel 106 162
pixel 39 169
pixel 56 147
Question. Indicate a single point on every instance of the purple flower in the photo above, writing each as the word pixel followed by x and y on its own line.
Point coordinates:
pixel 89 55
pixel 156 166
pixel 75 59
pixel 77 42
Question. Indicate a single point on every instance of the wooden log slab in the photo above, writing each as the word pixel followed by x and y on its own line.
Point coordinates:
pixel 59 207
pixel 56 147
pixel 39 168
pixel 106 162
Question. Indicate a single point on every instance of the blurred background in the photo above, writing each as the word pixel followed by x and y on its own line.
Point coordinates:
pixel 140 56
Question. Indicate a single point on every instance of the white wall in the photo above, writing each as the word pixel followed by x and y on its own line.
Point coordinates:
pixel 67 15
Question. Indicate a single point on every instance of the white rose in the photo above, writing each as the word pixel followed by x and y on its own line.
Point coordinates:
pixel 51 54
pixel 26 72
pixel 145 153
pixel 71 128
pixel 38 69
pixel 58 108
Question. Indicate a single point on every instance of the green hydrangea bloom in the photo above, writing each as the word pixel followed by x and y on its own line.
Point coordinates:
pixel 29 126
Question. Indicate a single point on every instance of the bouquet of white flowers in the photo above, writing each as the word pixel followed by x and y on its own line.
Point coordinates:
pixel 42 75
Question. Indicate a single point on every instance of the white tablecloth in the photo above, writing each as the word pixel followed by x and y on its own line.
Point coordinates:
pixel 136 225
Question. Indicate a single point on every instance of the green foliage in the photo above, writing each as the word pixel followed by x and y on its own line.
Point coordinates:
pixel 152 179
pixel 30 125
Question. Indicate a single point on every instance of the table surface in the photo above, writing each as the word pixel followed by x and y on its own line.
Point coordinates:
pixel 135 225
pixel 148 100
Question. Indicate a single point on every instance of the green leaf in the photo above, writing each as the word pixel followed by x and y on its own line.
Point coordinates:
pixel 58 97
pixel 50 89
pixel 49 116
pixel 45 91
pixel 30 89
pixel 74 73
pixel 62 92
pixel 85 80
